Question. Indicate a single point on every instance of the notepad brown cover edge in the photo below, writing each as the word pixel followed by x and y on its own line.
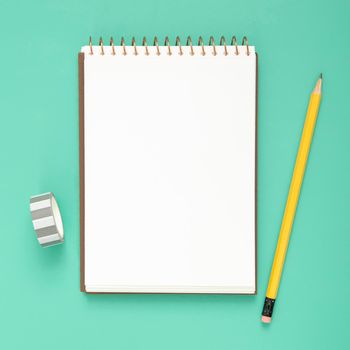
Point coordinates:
pixel 81 57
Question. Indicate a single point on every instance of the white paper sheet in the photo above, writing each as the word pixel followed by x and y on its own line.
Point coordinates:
pixel 170 171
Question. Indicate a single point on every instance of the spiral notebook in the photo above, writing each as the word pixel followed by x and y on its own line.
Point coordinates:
pixel 168 137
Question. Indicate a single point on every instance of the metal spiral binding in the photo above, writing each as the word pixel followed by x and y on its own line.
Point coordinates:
pixel 178 43
pixel 144 43
pixel 167 43
pixel 168 46
pixel 189 42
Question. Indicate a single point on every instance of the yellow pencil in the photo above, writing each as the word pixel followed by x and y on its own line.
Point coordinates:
pixel 292 202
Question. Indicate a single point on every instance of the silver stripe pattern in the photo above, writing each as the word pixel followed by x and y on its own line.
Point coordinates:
pixel 46 219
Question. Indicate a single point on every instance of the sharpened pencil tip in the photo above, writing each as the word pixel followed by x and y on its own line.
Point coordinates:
pixel 318 85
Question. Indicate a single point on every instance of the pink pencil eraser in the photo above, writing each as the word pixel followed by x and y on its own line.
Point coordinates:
pixel 266 319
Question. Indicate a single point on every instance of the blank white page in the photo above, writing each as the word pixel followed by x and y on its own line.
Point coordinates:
pixel 170 170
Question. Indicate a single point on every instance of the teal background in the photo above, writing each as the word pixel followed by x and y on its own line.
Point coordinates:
pixel 40 302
